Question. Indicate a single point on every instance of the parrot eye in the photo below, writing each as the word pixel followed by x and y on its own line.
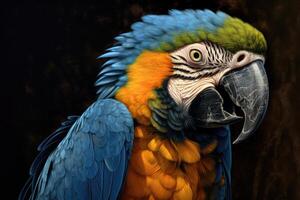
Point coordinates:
pixel 195 55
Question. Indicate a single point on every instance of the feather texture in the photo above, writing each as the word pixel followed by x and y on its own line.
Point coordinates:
pixel 166 33
pixel 91 160
pixel 152 33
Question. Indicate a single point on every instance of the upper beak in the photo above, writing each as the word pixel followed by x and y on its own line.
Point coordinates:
pixel 247 87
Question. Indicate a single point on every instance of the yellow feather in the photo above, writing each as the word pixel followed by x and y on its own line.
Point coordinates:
pixel 185 193
pixel 188 151
pixel 168 151
pixel 154 144
pixel 192 173
pixel 141 132
pixel 159 191
pixel 166 166
pixel 136 185
pixel 144 162
pixel 167 181
pixel 144 75
pixel 151 197
pixel 180 182
pixel 163 169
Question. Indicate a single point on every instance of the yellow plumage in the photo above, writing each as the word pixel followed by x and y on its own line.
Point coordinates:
pixel 160 168
pixel 144 75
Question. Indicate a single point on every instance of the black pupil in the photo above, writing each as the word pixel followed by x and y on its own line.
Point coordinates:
pixel 196 55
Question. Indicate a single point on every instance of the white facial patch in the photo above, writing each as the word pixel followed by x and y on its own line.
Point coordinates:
pixel 184 91
pixel 201 65
pixel 195 67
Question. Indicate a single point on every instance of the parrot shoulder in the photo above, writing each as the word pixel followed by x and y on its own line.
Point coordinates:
pixel 91 161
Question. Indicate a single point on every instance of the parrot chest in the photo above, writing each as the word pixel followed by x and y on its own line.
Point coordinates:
pixel 162 169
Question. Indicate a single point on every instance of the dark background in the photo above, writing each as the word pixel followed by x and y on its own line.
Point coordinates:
pixel 49 67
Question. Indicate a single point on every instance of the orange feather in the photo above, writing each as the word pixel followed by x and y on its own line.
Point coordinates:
pixel 144 75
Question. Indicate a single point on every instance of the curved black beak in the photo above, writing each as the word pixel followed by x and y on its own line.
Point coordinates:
pixel 248 88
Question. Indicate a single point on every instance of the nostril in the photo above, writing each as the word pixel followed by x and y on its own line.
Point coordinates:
pixel 241 57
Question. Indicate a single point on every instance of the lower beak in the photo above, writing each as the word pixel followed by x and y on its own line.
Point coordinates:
pixel 248 88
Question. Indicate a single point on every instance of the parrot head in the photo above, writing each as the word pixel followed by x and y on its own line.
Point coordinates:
pixel 177 71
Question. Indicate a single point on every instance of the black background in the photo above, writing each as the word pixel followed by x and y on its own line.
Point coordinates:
pixel 48 70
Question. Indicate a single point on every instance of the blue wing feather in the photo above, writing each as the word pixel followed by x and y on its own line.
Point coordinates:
pixel 91 161
pixel 45 148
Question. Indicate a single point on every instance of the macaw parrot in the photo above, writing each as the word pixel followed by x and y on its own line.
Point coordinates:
pixel 159 129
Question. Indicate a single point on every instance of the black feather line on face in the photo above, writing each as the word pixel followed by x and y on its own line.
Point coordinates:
pixel 181 63
pixel 175 58
pixel 182 70
pixel 196 77
pixel 183 58
pixel 217 57
pixel 217 54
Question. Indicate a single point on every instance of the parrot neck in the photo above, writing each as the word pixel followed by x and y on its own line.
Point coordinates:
pixel 166 116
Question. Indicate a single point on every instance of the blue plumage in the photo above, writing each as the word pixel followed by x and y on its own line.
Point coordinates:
pixel 149 34
pixel 92 158
pixel 45 149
